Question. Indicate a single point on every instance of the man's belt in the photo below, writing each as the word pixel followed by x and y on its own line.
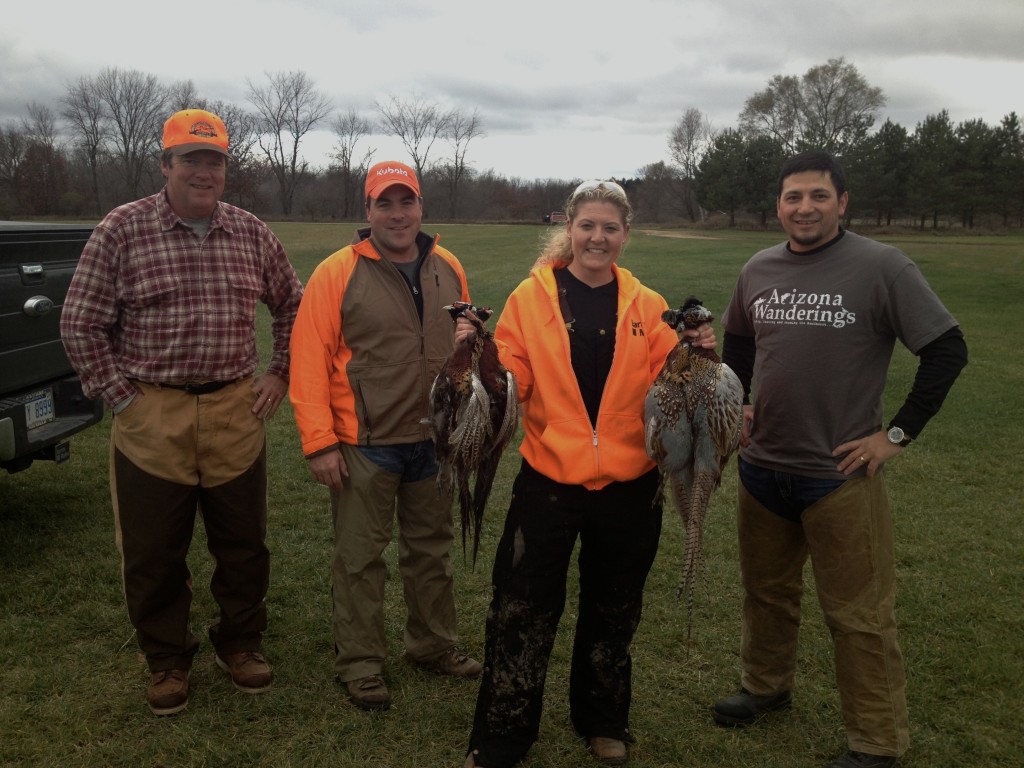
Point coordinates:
pixel 193 388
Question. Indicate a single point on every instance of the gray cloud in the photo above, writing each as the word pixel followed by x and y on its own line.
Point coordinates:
pixel 559 86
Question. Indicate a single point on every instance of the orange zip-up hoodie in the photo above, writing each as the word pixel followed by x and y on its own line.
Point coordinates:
pixel 362 362
pixel 560 441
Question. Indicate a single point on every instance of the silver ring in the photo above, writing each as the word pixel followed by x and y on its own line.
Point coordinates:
pixel 862 458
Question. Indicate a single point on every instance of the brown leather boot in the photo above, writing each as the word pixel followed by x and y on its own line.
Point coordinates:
pixel 454 663
pixel 369 693
pixel 607 751
pixel 167 693
pixel 249 670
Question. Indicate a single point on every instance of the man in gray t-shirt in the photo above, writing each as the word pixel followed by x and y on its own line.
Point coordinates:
pixel 811 329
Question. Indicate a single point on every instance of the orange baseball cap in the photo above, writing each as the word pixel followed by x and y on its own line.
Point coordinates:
pixel 384 175
pixel 193 129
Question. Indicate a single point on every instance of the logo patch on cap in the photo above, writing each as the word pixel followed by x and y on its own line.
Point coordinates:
pixel 203 129
pixel 387 174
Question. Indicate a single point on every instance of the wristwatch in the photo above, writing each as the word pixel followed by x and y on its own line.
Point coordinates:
pixel 898 437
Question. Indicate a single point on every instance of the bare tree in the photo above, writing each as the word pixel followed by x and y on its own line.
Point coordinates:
pixel 349 128
pixel 13 145
pixel 839 106
pixel 183 95
pixel 689 140
pixel 462 128
pixel 289 107
pixel 831 107
pixel 418 123
pixel 82 108
pixel 136 104
pixel 777 112
pixel 44 178
pixel 41 125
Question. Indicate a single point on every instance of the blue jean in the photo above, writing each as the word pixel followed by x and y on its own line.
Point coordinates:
pixel 784 493
pixel 413 461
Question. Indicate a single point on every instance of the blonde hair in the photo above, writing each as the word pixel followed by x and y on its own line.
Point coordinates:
pixel 556 249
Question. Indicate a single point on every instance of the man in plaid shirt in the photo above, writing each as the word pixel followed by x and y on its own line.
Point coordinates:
pixel 159 321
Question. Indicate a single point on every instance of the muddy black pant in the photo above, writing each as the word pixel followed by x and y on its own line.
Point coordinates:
pixel 618 528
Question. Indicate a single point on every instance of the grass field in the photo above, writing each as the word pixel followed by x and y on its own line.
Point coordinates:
pixel 72 685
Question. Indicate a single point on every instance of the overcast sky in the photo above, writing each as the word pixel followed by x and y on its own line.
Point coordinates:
pixel 566 89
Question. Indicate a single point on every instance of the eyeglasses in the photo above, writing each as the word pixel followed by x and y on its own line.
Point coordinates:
pixel 611 186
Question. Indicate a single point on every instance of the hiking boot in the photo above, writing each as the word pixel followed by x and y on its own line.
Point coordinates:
pixel 369 693
pixel 607 751
pixel 745 707
pixel 248 669
pixel 167 693
pixel 854 759
pixel 454 663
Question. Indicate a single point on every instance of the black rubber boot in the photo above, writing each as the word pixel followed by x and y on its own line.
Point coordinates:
pixel 746 708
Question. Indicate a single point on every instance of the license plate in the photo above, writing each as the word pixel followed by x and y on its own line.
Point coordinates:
pixel 39 409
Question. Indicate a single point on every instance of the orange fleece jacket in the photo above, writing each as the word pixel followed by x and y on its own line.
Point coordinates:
pixel 362 362
pixel 560 440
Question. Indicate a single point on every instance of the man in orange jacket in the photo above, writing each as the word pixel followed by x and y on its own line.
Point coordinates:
pixel 370 336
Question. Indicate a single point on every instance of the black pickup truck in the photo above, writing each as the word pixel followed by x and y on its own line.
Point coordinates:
pixel 41 400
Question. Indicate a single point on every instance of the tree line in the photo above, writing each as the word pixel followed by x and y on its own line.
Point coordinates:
pixel 939 174
pixel 99 147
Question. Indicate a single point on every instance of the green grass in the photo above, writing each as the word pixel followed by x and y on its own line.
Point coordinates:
pixel 72 684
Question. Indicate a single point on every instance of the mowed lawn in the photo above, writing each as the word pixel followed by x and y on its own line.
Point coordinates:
pixel 72 684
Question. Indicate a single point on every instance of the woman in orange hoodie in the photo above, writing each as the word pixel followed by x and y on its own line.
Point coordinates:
pixel 585 340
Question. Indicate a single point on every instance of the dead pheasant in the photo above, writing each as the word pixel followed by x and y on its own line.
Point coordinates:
pixel 473 412
pixel 693 415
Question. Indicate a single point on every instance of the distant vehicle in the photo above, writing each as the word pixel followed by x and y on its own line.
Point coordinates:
pixel 555 217
pixel 41 398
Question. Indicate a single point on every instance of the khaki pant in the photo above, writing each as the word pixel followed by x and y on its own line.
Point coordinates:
pixel 848 536
pixel 172 455
pixel 364 512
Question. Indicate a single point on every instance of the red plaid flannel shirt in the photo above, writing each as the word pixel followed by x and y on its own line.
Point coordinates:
pixel 150 301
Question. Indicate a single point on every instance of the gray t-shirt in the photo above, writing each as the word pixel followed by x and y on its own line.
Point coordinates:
pixel 825 325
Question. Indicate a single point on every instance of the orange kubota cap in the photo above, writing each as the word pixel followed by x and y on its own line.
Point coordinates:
pixel 387 174
pixel 193 129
